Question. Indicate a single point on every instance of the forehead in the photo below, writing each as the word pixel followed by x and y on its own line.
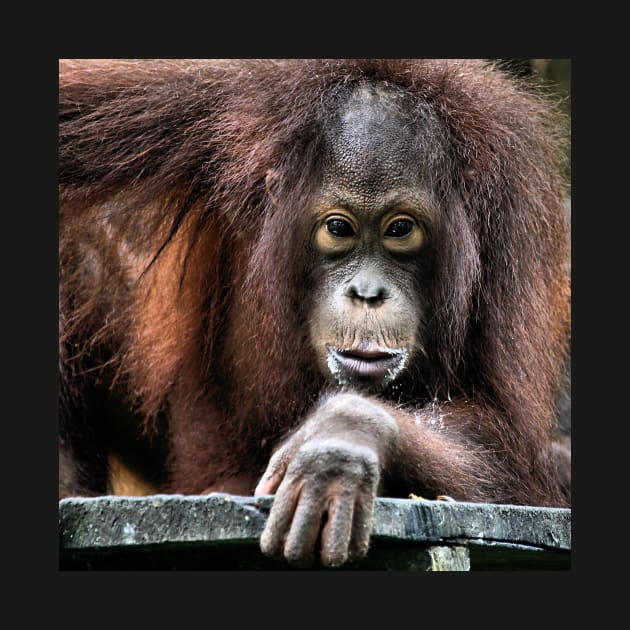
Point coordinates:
pixel 372 155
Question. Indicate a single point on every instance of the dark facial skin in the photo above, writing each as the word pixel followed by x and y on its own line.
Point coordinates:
pixel 369 225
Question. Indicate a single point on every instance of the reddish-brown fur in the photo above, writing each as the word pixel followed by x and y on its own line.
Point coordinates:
pixel 180 282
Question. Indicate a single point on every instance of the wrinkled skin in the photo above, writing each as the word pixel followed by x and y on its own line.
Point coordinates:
pixel 369 225
pixel 326 478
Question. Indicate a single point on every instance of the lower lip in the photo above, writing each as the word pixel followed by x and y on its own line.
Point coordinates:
pixel 382 368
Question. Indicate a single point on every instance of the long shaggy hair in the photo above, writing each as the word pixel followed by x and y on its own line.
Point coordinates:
pixel 184 264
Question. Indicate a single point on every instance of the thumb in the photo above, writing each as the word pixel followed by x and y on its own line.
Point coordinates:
pixel 274 474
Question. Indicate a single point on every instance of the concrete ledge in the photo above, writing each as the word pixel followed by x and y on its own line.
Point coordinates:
pixel 221 531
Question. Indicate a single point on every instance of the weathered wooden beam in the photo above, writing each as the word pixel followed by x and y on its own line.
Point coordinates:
pixel 221 531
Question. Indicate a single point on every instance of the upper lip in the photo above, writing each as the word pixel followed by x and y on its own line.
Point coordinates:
pixel 370 364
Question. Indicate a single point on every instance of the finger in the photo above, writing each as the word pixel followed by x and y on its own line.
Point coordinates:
pixel 268 484
pixel 299 547
pixel 273 475
pixel 280 517
pixel 363 517
pixel 337 532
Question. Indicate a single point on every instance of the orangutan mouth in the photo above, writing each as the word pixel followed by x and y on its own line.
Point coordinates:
pixel 371 366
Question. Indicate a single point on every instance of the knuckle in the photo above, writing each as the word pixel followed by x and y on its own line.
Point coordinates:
pixel 332 457
pixel 354 410
pixel 344 400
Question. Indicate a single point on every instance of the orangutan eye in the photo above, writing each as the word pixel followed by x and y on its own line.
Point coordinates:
pixel 399 228
pixel 339 228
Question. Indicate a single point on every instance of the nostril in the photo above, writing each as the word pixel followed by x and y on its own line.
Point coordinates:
pixel 372 295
